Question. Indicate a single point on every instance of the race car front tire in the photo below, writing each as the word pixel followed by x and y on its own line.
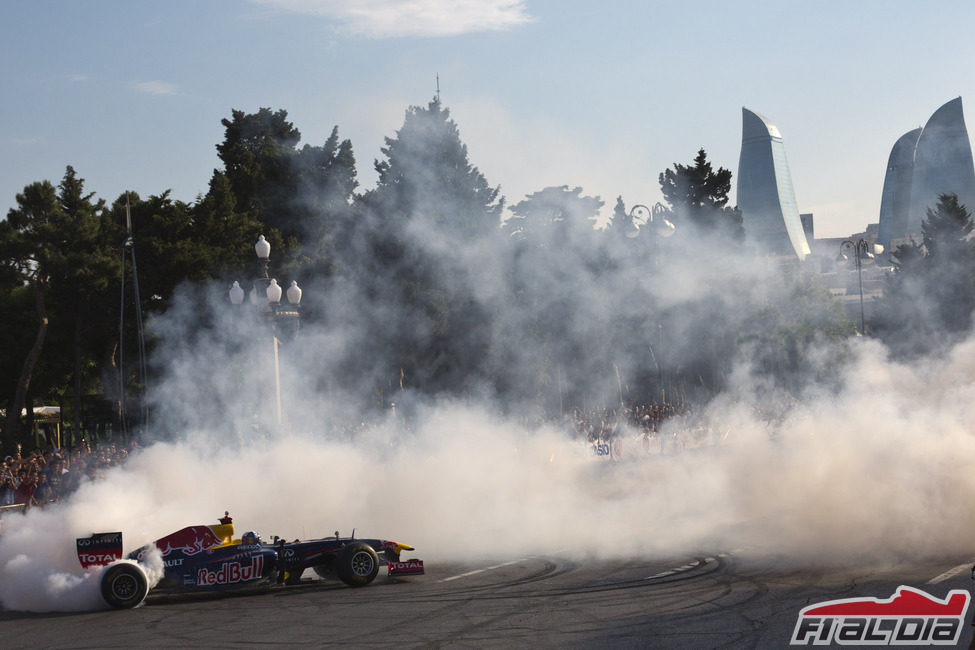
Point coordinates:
pixel 357 564
pixel 124 585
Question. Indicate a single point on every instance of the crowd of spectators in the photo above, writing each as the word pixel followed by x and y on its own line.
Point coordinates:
pixel 38 478
pixel 607 424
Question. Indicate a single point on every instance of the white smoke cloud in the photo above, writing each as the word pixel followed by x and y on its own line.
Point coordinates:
pixel 156 87
pixel 424 18
pixel 878 471
pixel 868 463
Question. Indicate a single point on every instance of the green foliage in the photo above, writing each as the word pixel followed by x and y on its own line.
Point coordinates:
pixel 300 199
pixel 553 217
pixel 439 296
pixel 429 202
pixel 798 315
pixel 54 240
pixel 930 297
pixel 427 174
pixel 698 196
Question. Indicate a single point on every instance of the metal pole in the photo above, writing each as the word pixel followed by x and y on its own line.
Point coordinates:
pixel 277 381
pixel 863 331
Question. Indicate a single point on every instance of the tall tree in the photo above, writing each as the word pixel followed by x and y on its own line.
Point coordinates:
pixel 930 297
pixel 415 247
pixel 554 269
pixel 302 197
pixel 257 154
pixel 426 175
pixel 54 240
pixel 553 217
pixel 327 186
pixel 698 196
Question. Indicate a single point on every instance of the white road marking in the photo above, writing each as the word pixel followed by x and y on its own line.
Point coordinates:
pixel 950 573
pixel 476 571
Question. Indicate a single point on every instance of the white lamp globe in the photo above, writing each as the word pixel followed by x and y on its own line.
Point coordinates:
pixel 236 294
pixel 262 248
pixel 294 293
pixel 274 291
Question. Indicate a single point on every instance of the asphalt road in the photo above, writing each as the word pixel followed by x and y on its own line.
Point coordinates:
pixel 719 601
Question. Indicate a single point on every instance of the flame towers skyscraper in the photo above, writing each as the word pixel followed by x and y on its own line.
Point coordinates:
pixel 765 195
pixel 923 164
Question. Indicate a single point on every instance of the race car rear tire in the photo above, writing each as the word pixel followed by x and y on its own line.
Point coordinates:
pixel 124 585
pixel 357 564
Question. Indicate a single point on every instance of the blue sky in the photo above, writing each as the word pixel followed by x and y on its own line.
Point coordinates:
pixel 601 95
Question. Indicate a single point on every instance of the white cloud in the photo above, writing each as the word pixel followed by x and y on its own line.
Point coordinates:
pixel 156 87
pixel 393 18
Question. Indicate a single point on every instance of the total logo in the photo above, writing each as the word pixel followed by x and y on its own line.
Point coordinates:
pixel 410 566
pixel 909 617
pixel 98 558
pixel 231 573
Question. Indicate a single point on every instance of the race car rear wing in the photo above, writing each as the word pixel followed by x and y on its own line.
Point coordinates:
pixel 99 549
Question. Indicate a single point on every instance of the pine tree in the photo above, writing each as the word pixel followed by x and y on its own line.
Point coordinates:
pixel 415 246
pixel 698 196
pixel 930 297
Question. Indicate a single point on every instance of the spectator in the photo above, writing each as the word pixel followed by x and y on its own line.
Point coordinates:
pixel 25 491
pixel 8 483
pixel 43 493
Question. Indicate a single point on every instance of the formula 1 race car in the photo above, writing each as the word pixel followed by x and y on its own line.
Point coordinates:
pixel 208 559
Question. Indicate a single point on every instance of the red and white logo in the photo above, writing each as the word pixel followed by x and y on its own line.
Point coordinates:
pixel 909 617
pixel 414 567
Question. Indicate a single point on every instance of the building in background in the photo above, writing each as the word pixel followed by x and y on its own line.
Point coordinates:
pixel 923 164
pixel 765 195
pixel 895 201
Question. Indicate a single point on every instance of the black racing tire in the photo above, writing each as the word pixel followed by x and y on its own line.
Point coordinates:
pixel 124 585
pixel 357 564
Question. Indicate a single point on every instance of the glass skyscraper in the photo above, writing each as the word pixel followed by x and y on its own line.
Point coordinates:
pixel 765 196
pixel 942 163
pixel 895 202
pixel 924 164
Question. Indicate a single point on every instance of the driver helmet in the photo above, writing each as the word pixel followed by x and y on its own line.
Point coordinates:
pixel 250 537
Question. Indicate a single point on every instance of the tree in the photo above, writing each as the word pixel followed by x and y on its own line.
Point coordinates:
pixel 53 240
pixel 414 248
pixel 698 196
pixel 621 222
pixel 303 197
pixel 427 176
pixel 553 217
pixel 555 263
pixel 327 184
pixel 930 297
pixel 257 153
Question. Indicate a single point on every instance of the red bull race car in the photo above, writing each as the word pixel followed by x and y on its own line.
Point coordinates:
pixel 207 558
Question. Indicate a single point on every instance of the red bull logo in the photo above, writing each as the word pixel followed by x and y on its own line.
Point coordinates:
pixel 190 541
pixel 231 573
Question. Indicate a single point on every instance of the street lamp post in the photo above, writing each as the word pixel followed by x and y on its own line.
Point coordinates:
pixel 282 319
pixel 653 218
pixel 863 252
